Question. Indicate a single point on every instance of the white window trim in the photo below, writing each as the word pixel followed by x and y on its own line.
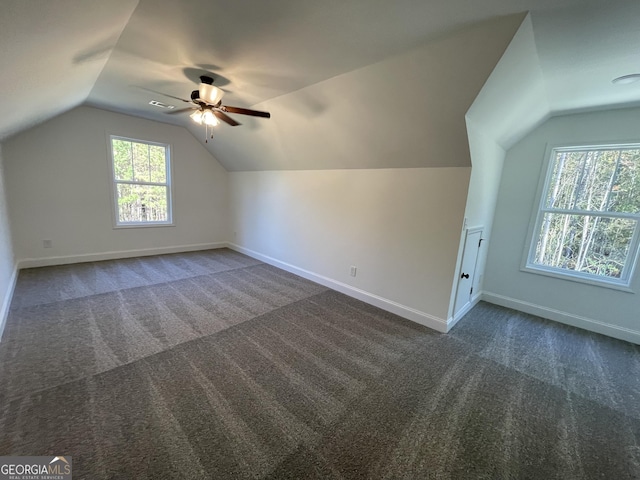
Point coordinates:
pixel 114 194
pixel 539 209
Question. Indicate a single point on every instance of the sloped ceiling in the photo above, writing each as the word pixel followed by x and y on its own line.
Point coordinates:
pixel 43 45
pixel 405 111
pixel 514 98
pixel 560 62
pixel 261 50
pixel 286 53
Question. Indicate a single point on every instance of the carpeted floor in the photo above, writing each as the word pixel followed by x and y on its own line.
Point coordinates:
pixel 214 365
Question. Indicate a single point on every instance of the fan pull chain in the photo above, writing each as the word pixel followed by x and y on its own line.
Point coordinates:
pixel 207 135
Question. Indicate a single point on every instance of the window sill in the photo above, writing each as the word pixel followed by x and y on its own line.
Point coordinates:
pixel 143 225
pixel 571 277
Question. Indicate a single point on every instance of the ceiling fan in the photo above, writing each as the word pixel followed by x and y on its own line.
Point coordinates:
pixel 207 108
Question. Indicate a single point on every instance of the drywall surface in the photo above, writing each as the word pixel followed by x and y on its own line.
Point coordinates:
pixel 399 227
pixel 582 49
pixel 52 53
pixel 488 158
pixel 59 188
pixel 513 101
pixel 7 262
pixel 600 309
pixel 406 111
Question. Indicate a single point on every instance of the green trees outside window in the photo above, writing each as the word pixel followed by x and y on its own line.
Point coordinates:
pixel 141 177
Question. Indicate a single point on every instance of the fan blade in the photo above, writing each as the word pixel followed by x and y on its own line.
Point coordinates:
pixel 165 94
pixel 180 110
pixel 225 118
pixel 246 111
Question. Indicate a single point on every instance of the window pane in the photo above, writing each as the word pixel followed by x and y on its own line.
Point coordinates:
pixel 158 164
pixel 596 180
pixel 141 162
pixel 122 166
pixel 587 244
pixel 142 203
pixel 562 189
pixel 625 192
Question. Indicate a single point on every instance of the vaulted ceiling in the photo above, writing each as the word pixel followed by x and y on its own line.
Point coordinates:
pixel 332 66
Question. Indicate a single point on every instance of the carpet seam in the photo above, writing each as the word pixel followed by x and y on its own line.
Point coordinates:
pixel 11 309
pixel 228 329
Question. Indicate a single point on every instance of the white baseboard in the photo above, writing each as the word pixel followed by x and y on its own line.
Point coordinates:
pixel 463 311
pixel 96 257
pixel 404 311
pixel 6 302
pixel 567 318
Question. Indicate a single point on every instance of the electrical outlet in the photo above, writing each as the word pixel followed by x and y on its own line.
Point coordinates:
pixel 354 270
pixel 47 243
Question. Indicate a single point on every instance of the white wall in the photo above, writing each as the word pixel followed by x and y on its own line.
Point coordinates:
pixel 7 263
pixel 58 188
pixel 395 225
pixel 596 308
pixel 512 102
pixel 487 157
pixel 399 227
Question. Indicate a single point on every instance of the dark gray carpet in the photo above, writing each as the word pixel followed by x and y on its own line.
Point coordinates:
pixel 213 365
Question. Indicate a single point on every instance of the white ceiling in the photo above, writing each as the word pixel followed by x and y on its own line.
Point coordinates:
pixel 405 111
pixel 41 52
pixel 57 54
pixel 261 50
pixel 582 49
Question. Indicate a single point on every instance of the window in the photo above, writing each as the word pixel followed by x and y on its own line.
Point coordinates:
pixel 141 182
pixel 587 222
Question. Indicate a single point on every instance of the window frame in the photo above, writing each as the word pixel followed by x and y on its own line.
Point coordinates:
pixel 114 185
pixel 539 209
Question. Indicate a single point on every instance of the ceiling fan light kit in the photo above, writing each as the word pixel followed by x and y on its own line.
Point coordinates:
pixel 208 118
pixel 210 94
pixel 197 117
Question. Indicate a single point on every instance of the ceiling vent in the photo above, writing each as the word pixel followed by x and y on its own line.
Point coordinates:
pixel 156 103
